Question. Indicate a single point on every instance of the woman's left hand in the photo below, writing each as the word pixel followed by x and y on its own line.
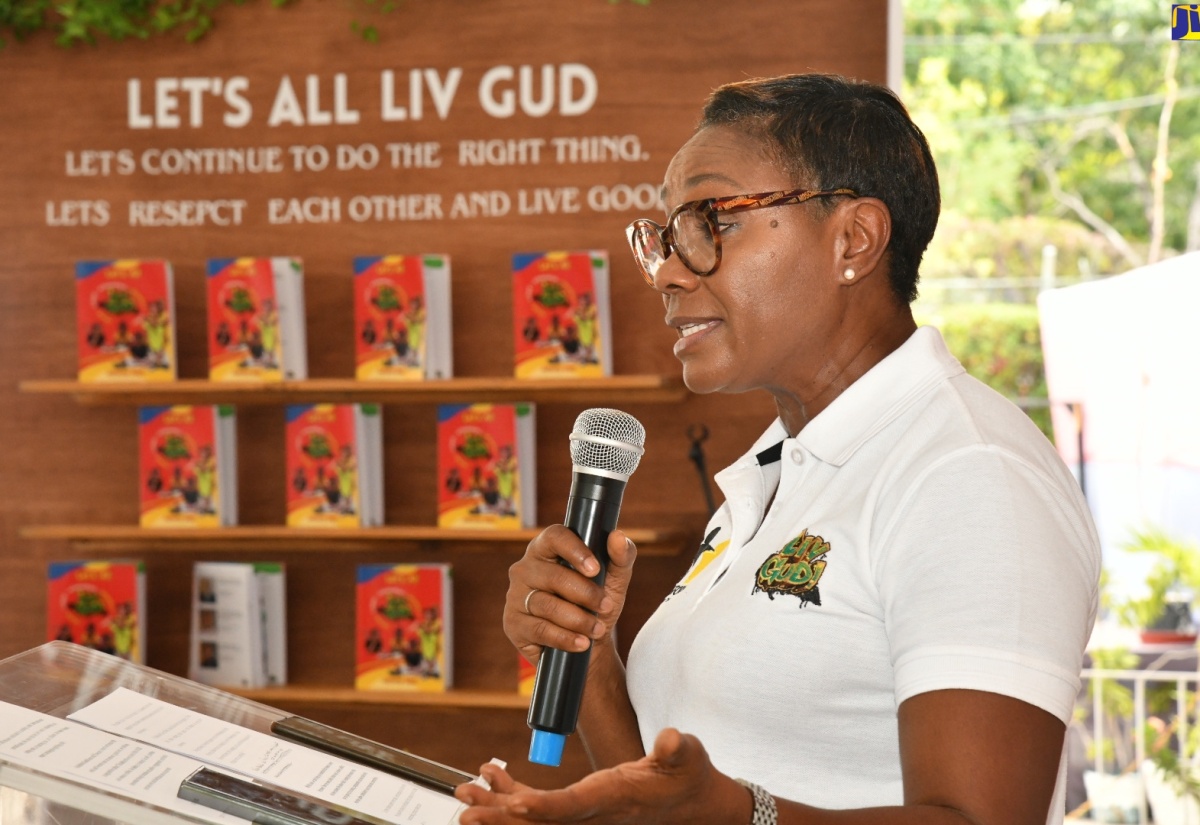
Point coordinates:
pixel 674 783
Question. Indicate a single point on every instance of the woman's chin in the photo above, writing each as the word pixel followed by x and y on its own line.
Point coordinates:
pixel 704 381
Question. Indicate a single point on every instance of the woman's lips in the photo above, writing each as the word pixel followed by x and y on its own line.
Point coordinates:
pixel 692 333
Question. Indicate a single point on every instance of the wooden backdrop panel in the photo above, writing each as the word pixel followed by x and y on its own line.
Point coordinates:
pixel 65 464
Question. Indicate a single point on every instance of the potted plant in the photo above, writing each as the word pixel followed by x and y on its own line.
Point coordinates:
pixel 1115 792
pixel 1171 780
pixel 1170 773
pixel 1164 612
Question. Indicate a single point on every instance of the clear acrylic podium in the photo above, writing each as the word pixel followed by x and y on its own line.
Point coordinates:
pixel 59 678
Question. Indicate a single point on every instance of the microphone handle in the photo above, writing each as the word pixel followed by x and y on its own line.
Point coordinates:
pixel 592 510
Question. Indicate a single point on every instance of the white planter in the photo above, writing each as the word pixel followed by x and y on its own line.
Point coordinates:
pixel 1166 806
pixel 1115 798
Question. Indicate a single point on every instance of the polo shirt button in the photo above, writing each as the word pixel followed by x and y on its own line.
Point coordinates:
pixel 797 455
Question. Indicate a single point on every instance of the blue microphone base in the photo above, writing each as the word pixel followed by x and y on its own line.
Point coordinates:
pixel 546 748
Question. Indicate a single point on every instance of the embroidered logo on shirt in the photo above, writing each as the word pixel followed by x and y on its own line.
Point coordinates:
pixel 795 570
pixel 704 557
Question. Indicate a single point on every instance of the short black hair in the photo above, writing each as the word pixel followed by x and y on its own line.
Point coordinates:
pixel 831 132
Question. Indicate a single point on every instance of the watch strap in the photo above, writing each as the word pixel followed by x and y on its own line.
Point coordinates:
pixel 765 812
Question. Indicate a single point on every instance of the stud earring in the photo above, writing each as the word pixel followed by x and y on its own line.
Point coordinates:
pixel 849 274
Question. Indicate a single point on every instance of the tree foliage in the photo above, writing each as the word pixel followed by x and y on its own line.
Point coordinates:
pixel 1001 345
pixel 85 21
pixel 1011 247
pixel 1056 109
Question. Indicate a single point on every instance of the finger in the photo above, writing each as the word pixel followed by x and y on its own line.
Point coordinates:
pixel 556 561
pixel 576 609
pixel 559 806
pixel 670 748
pixel 499 784
pixel 549 604
pixel 485 816
pixel 531 633
pixel 621 555
pixel 471 794
pixel 499 779
pixel 621 551
pixel 550 577
pixel 558 542
pixel 542 616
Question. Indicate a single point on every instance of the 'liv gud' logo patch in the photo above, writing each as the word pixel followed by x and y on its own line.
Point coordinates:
pixel 795 570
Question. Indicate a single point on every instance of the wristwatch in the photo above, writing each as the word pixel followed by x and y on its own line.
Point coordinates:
pixel 764 805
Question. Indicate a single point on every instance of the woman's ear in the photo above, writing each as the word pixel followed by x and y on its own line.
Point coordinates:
pixel 866 228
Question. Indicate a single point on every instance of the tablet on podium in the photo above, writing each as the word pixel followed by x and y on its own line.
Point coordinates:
pixel 87 738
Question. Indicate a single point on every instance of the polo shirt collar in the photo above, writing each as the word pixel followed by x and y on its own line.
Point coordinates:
pixel 884 393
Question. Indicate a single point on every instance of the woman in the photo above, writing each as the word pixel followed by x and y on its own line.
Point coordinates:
pixel 887 620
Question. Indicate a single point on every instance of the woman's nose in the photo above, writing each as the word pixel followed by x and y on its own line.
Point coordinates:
pixel 673 276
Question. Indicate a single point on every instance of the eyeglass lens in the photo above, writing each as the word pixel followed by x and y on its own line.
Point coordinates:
pixel 691 237
pixel 648 247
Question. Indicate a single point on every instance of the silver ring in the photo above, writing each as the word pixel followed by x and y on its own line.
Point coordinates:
pixel 527 595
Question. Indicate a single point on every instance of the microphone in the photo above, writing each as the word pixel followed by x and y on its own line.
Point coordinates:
pixel 606 446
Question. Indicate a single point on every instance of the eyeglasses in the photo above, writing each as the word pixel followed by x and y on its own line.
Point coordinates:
pixel 693 233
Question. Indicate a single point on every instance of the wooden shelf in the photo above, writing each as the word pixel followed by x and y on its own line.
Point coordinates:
pixel 633 389
pixel 103 537
pixel 348 697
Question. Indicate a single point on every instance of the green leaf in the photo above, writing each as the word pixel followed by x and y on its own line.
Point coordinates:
pixel 1000 344
pixel 81 21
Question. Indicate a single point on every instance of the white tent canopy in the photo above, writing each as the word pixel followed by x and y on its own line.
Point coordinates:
pixel 1125 353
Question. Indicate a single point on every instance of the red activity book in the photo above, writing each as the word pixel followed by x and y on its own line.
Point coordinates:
pixel 403 637
pixel 486 475
pixel 561 325
pixel 125 312
pixel 98 604
pixel 402 317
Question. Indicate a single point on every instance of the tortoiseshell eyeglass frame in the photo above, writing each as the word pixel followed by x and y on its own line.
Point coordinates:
pixel 707 210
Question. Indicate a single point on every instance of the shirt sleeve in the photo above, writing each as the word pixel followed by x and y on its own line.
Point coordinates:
pixel 988 575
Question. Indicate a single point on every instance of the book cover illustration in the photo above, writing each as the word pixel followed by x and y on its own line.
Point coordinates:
pixel 124 317
pixel 186 466
pixel 560 315
pixel 256 319
pixel 402 317
pixel 403 627
pixel 485 466
pixel 98 604
pixel 334 465
pixel 526 673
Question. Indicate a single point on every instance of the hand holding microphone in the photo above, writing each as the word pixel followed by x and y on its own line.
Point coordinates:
pixel 606 446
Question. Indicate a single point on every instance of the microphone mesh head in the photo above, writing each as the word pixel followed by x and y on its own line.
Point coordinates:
pixel 607 440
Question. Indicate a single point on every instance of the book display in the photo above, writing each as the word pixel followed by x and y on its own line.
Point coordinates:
pixel 236 627
pixel 561 326
pixel 187 458
pixel 334 465
pixel 124 315
pixel 239 624
pixel 98 604
pixel 404 625
pixel 256 325
pixel 486 466
pixel 402 320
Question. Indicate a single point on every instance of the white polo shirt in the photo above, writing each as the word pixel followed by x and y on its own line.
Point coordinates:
pixel 924 535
